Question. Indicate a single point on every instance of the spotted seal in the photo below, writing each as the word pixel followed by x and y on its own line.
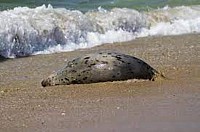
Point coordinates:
pixel 101 67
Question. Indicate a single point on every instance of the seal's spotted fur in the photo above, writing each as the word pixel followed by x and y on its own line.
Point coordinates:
pixel 101 67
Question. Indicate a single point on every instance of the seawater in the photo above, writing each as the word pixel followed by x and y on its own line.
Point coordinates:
pixel 30 29
pixel 86 5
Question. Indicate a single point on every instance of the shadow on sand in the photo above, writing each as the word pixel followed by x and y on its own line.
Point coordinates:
pixel 2 58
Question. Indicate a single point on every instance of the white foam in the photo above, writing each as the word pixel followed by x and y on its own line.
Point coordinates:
pixel 44 30
pixel 173 21
pixel 93 39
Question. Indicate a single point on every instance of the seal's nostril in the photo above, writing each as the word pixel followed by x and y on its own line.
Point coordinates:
pixel 44 84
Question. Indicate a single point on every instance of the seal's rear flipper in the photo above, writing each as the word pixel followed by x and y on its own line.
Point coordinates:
pixel 159 76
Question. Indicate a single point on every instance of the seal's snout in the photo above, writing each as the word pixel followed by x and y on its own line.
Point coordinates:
pixel 44 83
pixel 49 81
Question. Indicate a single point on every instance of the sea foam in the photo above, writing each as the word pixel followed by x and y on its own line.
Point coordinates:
pixel 26 31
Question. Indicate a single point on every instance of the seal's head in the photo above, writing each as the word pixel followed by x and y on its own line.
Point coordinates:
pixel 50 81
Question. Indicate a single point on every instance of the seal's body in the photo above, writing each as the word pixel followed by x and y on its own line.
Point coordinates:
pixel 101 67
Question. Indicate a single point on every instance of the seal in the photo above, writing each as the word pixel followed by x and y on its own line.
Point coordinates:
pixel 101 67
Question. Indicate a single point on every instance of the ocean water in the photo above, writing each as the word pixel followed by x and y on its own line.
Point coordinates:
pixel 86 5
pixel 43 27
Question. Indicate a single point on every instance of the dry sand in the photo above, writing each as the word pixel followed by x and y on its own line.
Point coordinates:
pixel 123 106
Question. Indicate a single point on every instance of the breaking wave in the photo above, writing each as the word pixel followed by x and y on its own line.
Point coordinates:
pixel 26 31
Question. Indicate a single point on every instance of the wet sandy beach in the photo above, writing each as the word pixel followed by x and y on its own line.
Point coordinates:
pixel 171 105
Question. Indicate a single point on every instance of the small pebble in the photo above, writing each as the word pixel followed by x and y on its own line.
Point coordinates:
pixel 63 114
pixel 118 108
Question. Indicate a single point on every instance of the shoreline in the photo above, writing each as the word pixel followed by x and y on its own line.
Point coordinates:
pixel 171 105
